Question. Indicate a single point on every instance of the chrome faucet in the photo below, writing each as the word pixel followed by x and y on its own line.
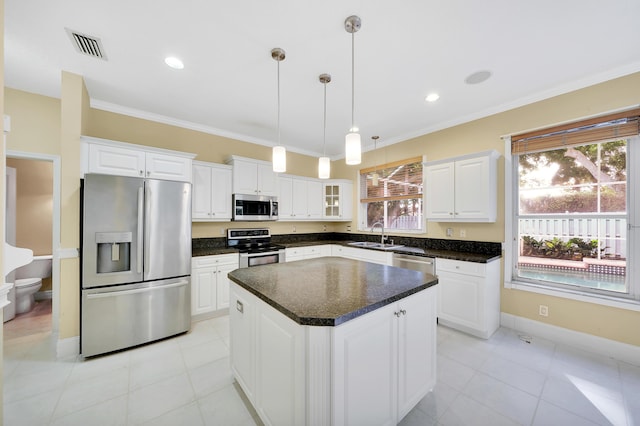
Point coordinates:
pixel 381 228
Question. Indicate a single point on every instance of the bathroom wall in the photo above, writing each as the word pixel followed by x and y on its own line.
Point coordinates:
pixel 34 203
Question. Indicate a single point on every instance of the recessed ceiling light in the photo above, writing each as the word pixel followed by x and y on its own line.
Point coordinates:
pixel 432 97
pixel 174 62
pixel 478 77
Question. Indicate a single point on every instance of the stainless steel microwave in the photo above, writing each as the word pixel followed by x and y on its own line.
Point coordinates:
pixel 254 207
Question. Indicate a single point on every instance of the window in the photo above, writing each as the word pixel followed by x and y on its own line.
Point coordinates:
pixel 573 206
pixel 392 194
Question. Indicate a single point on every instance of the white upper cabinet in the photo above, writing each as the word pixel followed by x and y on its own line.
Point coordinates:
pixel 211 198
pixel 253 177
pixel 337 200
pixel 299 198
pixel 463 189
pixel 117 158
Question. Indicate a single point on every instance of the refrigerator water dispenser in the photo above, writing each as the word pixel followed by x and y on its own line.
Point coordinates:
pixel 114 252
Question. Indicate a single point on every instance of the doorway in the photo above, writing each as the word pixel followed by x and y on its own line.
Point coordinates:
pixel 36 168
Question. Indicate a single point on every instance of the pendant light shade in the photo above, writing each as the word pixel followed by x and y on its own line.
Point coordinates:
pixel 375 178
pixel 324 162
pixel 352 144
pixel 353 152
pixel 324 167
pixel 279 154
pixel 279 159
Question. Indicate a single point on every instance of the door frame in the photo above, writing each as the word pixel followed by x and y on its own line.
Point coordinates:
pixel 55 243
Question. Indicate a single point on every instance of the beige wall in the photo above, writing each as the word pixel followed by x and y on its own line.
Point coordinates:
pixel 479 135
pixel 34 204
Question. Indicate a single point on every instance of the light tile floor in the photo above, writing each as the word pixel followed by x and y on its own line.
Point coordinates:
pixel 186 381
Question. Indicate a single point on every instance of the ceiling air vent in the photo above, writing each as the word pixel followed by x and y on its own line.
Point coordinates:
pixel 86 44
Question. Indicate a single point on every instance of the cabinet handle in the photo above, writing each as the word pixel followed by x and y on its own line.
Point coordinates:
pixel 403 312
pixel 141 172
pixel 148 173
pixel 213 214
pixel 239 306
pixel 450 213
pixel 397 314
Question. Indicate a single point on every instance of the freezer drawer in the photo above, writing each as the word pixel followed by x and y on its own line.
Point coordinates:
pixel 122 316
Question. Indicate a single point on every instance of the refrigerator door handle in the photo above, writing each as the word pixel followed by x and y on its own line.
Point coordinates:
pixel 140 228
pixel 180 283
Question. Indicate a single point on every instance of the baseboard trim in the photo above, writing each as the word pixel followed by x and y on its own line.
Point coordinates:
pixel 588 342
pixel 68 347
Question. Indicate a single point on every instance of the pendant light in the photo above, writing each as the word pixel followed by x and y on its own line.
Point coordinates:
pixel 376 177
pixel 352 145
pixel 324 163
pixel 279 154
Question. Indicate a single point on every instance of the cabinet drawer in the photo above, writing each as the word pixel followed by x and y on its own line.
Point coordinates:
pixel 460 267
pixel 222 259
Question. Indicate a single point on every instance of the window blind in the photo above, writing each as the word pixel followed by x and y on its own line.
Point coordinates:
pixel 612 126
pixel 399 180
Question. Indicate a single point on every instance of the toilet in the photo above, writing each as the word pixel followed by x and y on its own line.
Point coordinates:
pixel 29 280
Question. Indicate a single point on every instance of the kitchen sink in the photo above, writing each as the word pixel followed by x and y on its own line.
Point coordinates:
pixel 379 246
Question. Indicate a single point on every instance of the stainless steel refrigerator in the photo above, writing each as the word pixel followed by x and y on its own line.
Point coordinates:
pixel 136 261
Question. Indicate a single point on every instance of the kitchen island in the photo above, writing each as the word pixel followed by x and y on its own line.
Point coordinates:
pixel 333 341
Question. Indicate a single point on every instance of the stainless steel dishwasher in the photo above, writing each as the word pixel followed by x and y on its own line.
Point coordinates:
pixel 416 263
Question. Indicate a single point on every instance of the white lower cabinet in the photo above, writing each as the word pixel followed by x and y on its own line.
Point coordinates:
pixel 371 370
pixel 309 252
pixel 374 256
pixel 209 282
pixel 469 296
pixel 385 362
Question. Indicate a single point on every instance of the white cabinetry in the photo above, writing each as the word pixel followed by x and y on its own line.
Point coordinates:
pixel 338 200
pixel 469 296
pixel 463 189
pixel 308 252
pixel 209 282
pixel 394 349
pixel 122 159
pixel 374 256
pixel 211 197
pixel 299 198
pixel 253 177
pixel 371 370
pixel 268 359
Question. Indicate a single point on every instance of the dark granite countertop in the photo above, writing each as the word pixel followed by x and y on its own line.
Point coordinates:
pixel 329 291
pixel 467 251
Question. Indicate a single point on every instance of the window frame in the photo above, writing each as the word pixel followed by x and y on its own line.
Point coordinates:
pixel 362 207
pixel 630 300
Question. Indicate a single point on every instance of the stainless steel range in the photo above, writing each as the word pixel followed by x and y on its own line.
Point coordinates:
pixel 255 247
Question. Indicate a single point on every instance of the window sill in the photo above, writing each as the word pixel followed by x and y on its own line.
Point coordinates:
pixel 614 302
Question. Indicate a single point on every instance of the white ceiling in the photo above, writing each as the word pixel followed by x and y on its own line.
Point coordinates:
pixel 405 50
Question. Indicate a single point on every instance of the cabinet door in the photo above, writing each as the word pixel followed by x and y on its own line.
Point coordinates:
pixel 314 199
pixel 460 299
pixel 285 198
pixel 245 177
pixel 220 193
pixel 439 188
pixel 203 290
pixel 267 180
pixel 346 201
pixel 472 198
pixel 242 339
pixel 299 199
pixel 222 285
pixel 280 368
pixel 112 160
pixel 417 350
pixel 202 192
pixel 167 167
pixel 365 369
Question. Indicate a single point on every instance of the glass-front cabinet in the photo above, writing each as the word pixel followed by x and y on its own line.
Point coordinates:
pixel 337 200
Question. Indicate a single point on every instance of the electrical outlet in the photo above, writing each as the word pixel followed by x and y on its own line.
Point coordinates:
pixel 449 232
pixel 294 229
pixel 222 231
pixel 463 233
pixel 324 227
pixel 544 310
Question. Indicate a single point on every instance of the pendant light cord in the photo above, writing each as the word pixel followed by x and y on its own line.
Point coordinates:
pixel 353 90
pixel 278 102
pixel 324 123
